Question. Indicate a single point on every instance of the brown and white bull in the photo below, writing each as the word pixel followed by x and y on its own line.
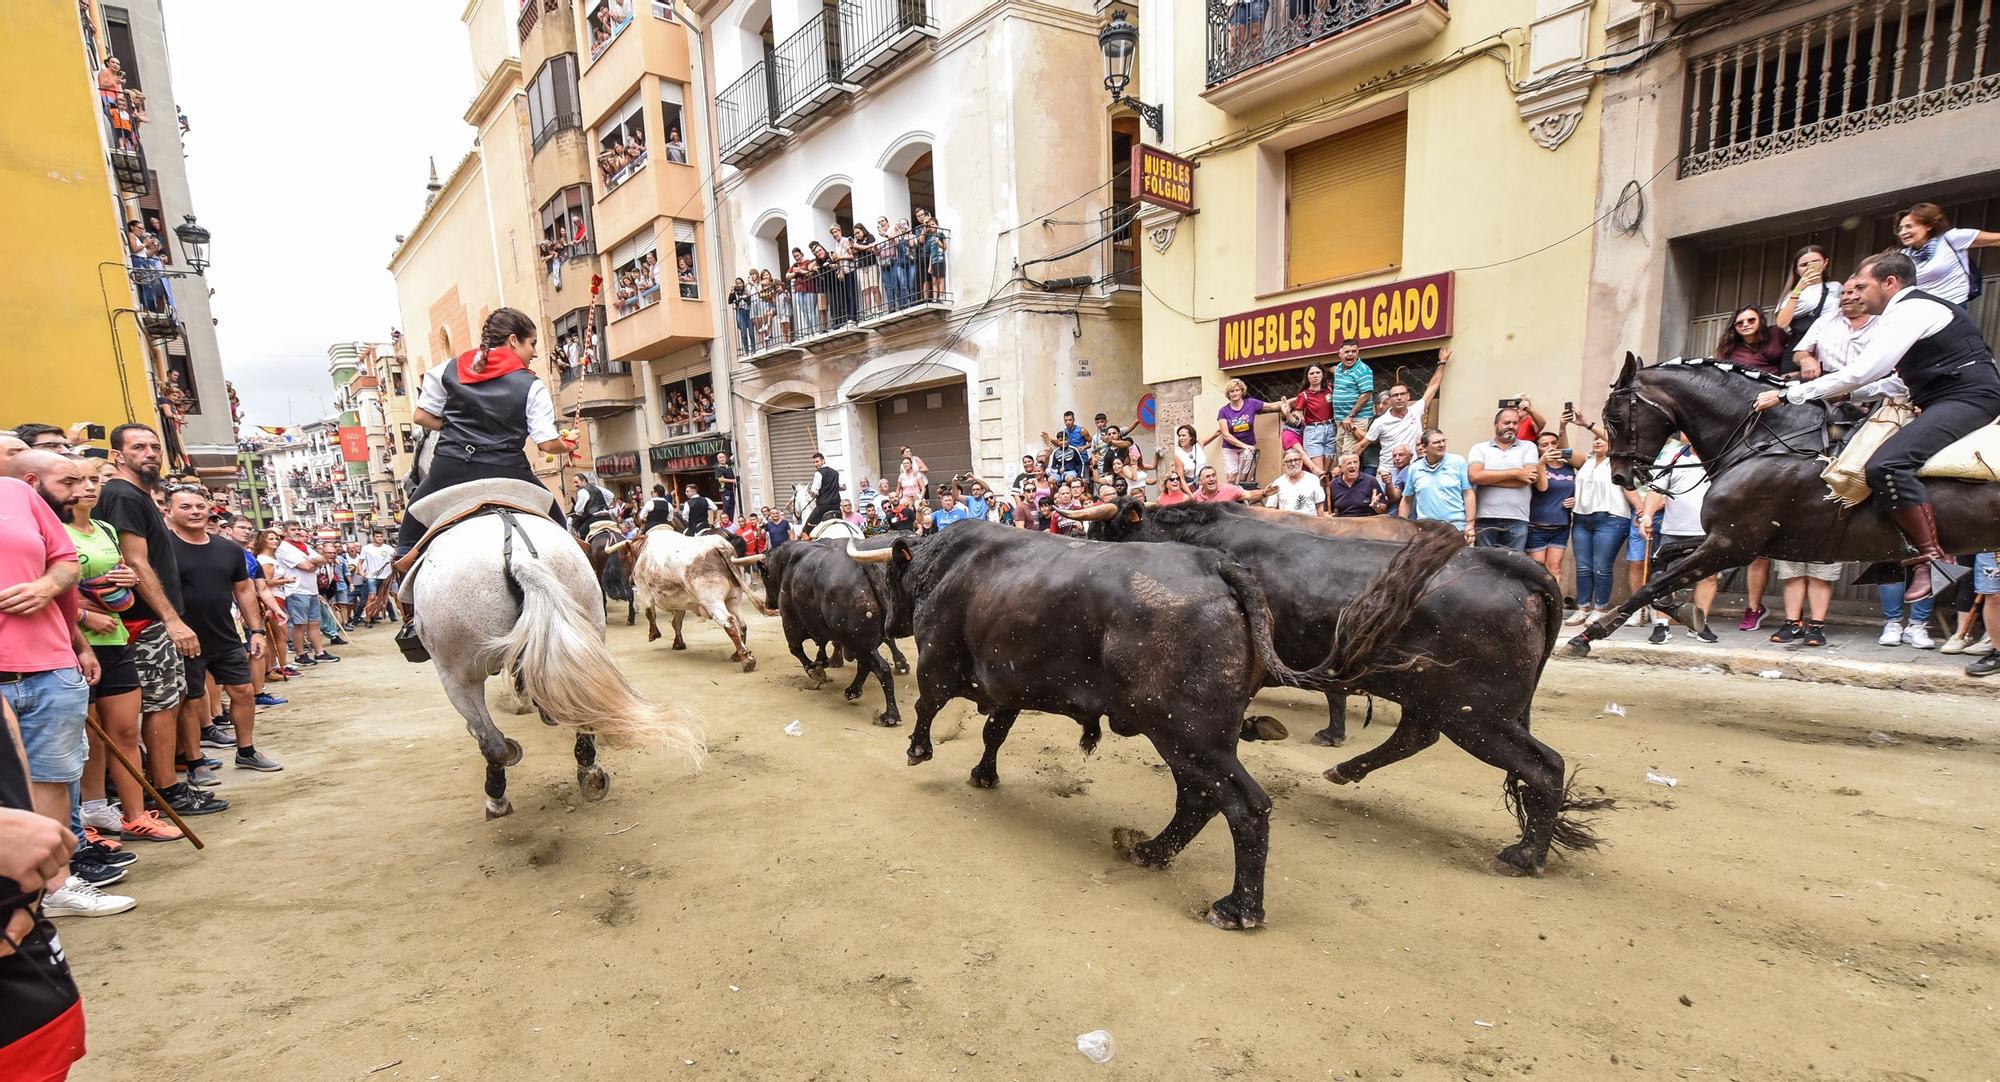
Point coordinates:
pixel 681 574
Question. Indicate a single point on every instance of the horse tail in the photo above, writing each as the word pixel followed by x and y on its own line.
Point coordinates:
pixel 568 673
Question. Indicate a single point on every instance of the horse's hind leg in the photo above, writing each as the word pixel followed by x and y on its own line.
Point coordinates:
pixel 468 694
pixel 591 778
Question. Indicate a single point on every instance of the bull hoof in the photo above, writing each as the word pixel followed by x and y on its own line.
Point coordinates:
pixel 1513 861
pixel 749 664
pixel 1334 775
pixel 1131 845
pixel 1230 917
pixel 887 720
pixel 902 668
pixel 1264 727
pixel 917 756
pixel 679 645
pixel 1579 646
pixel 630 620
pixel 652 634
pixel 497 808
pixel 514 751
pixel 1327 738
pixel 851 695
pixel 594 782
pixel 982 781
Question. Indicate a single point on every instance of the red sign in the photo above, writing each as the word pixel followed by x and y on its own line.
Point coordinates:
pixel 1162 179
pixel 618 464
pixel 1414 310
pixel 342 514
pixel 354 444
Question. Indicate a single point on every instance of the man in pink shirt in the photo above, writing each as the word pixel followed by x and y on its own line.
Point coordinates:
pixel 43 659
pixel 1210 488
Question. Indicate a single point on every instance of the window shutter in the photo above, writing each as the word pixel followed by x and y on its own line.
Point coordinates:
pixel 1344 203
pixel 670 91
pixel 683 232
pixel 634 248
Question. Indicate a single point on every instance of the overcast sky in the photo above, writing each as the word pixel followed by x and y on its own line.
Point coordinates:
pixel 310 130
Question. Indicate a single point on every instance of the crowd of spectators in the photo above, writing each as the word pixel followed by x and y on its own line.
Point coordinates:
pixel 851 276
pixel 638 285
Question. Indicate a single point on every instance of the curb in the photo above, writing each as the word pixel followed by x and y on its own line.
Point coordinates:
pixel 1900 675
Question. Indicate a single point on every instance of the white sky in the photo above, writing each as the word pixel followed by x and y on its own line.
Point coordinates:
pixel 310 126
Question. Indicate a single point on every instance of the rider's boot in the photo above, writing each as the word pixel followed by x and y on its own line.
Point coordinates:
pixel 1919 527
pixel 406 636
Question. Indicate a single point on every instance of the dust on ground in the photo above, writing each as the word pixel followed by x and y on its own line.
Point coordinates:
pixel 1815 899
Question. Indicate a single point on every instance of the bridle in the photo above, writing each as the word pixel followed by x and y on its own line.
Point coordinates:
pixel 1739 447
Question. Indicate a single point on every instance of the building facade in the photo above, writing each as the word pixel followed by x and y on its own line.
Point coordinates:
pixel 1401 174
pixel 963 339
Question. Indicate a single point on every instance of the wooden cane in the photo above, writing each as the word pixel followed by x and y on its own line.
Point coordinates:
pixel 105 738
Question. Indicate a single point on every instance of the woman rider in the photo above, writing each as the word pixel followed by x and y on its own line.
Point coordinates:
pixel 483 406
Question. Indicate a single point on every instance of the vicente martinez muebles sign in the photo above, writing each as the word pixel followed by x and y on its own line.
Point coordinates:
pixel 1162 179
pixel 688 455
pixel 1413 310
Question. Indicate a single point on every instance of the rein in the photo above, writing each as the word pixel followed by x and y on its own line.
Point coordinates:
pixel 1737 447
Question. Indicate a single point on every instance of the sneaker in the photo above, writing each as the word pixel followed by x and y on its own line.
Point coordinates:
pixel 324 656
pixel 102 817
pixel 1660 634
pixel 265 698
pixel 1752 620
pixel 1815 634
pixel 1580 616
pixel 100 852
pixel 1955 645
pixel 213 736
pixel 342 641
pixel 1636 618
pixel 203 775
pixel 1982 648
pixel 288 672
pixel 1704 634
pixel 302 659
pixel 93 873
pixel 151 827
pixel 1985 666
pixel 1789 631
pixel 1892 634
pixel 185 799
pixel 77 898
pixel 1919 636
pixel 257 760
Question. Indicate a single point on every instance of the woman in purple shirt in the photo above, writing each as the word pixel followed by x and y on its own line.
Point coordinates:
pixel 1236 427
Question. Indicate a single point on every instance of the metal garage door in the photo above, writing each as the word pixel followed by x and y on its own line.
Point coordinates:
pixel 792 446
pixel 932 422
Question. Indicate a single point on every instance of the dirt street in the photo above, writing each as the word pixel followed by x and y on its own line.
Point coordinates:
pixel 1810 902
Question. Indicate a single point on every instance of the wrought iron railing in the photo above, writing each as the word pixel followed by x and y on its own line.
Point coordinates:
pixel 557 123
pixel 896 276
pixel 595 368
pixel 1877 63
pixel 1244 35
pixel 744 107
pixel 806 64
pixel 530 13
pixel 869 26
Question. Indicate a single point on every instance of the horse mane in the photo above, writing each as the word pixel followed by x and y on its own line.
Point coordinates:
pixel 1713 365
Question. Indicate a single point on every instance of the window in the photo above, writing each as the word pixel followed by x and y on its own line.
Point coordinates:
pixel 1120 228
pixel 566 223
pixel 635 273
pixel 579 352
pixel 605 20
pixel 663 10
pixel 621 144
pixel 684 266
pixel 671 111
pixel 688 405
pixel 552 99
pixel 1344 203
pixel 118 35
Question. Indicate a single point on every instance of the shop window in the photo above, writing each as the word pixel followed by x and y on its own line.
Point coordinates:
pixel 635 273
pixel 621 144
pixel 672 114
pixel 1344 203
pixel 684 261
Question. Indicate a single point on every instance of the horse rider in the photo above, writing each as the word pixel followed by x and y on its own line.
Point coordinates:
pixel 594 504
pixel 1937 350
pixel 659 510
pixel 696 511
pixel 484 407
pixel 825 491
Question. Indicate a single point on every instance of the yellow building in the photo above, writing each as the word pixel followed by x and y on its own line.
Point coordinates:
pixel 1399 173
pixel 74 351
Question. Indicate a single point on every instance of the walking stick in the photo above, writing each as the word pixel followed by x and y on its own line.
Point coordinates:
pixel 105 738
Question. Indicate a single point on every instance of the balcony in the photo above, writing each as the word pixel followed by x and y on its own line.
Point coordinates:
pixel 875 34
pixel 747 125
pixel 806 75
pixel 661 189
pixel 648 45
pixel 602 388
pixel 664 325
pixel 1295 47
pixel 1875 64
pixel 827 307
pixel 559 122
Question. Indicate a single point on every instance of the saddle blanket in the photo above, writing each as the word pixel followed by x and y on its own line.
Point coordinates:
pixel 1975 458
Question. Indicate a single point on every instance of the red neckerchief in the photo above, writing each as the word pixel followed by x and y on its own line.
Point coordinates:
pixel 499 361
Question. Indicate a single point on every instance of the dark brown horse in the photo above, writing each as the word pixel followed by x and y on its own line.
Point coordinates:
pixel 1765 497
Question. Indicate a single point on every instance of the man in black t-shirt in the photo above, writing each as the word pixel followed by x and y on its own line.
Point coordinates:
pixel 213 575
pixel 726 478
pixel 695 511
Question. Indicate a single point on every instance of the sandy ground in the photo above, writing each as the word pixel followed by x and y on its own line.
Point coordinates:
pixel 1810 902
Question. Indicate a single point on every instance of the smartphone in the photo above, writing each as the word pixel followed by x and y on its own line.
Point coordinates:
pixel 1510 403
pixel 94 452
pixel 1569 408
pixel 93 432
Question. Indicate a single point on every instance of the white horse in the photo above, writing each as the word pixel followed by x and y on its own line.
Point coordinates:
pixel 510 593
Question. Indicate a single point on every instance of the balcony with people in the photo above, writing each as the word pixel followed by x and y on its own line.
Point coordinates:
pixel 621 43
pixel 856 280
pixel 124 109
pixel 589 381
pixel 645 165
pixel 656 299
pixel 1261 50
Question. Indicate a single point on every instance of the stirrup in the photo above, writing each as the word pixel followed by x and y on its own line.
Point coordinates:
pixel 411 646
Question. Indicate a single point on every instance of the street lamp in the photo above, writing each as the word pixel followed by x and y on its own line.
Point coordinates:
pixel 1119 41
pixel 194 243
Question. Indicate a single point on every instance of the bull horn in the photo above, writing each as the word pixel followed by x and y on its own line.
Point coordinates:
pixel 1103 512
pixel 616 547
pixel 868 556
pixel 741 561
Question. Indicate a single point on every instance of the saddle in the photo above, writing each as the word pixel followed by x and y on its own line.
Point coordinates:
pixel 600 526
pixel 1974 458
pixel 447 507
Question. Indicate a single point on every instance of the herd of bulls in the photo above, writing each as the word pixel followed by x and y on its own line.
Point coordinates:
pixel 1165 624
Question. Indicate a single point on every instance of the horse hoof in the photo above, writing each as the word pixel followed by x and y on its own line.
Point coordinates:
pixel 981 781
pixel 1325 739
pixel 749 664
pixel 497 808
pixel 1264 727
pixel 887 720
pixel 1579 646
pixel 679 645
pixel 1334 775
pixel 594 782
pixel 902 668
pixel 514 751
pixel 548 721
pixel 652 634
pixel 630 620
pixel 1230 922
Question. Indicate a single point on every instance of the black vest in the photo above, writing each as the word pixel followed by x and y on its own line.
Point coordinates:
pixel 829 488
pixel 1953 363
pixel 596 504
pixel 659 512
pixel 485 422
pixel 697 514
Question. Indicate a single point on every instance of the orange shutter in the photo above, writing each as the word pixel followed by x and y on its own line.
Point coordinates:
pixel 1344 203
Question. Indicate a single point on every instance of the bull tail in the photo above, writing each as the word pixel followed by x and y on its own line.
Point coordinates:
pixel 1249 591
pixel 1366 626
pixel 568 673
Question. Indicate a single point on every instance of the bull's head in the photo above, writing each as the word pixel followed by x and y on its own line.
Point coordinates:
pixel 1118 520
pixel 1635 427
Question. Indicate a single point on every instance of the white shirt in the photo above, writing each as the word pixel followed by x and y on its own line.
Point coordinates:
pixel 303 582
pixel 375 560
pixel 1502 501
pixel 1303 495
pixel 1809 302
pixel 1389 431
pixel 1191 459
pixel 1897 329
pixel 1685 490
pixel 583 494
pixel 541 408
pixel 1596 492
pixel 1945 272
pixel 1836 344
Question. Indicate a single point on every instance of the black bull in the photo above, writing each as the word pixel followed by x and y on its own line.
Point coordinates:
pixel 824 597
pixel 1479 638
pixel 1168 641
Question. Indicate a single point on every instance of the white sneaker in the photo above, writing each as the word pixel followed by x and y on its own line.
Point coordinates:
pixel 1954 645
pixel 79 899
pixel 1892 634
pixel 1983 647
pixel 1919 636
pixel 104 818
pixel 1580 616
pixel 1640 618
